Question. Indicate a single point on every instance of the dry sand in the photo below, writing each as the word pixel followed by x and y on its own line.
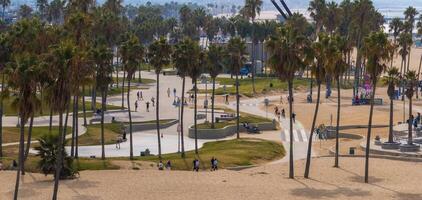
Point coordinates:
pixel 388 180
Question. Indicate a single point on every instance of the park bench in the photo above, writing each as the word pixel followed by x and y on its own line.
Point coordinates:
pixel 377 101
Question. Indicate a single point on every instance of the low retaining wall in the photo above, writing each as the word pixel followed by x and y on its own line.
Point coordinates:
pixel 150 126
pixel 228 130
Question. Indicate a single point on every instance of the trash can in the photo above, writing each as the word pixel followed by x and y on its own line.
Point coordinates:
pixel 352 150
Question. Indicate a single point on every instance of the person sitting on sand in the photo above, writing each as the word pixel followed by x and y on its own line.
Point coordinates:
pixel 160 165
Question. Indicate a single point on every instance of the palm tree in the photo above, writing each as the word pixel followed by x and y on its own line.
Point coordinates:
pixel 392 80
pixel 411 81
pixel 332 17
pixel 396 27
pixel 336 68
pixel 236 50
pixel 185 57
pixel 286 58
pixel 318 10
pixel 405 41
pixel 409 15
pixel 25 11
pixel 4 58
pixel 22 77
pixel 318 69
pixel 101 55
pixel 377 50
pixel 250 10
pixel 215 67
pixel 4 4
pixel 132 53
pixel 159 54
pixel 419 27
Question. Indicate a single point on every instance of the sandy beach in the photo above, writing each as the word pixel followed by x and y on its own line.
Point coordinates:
pixel 388 180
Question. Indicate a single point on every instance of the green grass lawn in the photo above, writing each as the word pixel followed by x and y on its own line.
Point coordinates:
pixel 111 131
pixel 244 117
pixel 31 165
pixel 135 80
pixel 12 134
pixel 10 110
pixel 230 153
pixel 262 85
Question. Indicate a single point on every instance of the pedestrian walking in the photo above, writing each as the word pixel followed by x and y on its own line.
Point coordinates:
pixel 294 117
pixel 283 113
pixel 137 94
pixel 168 165
pixel 174 92
pixel 147 106
pixel 140 95
pixel 168 92
pixel 136 106
pixel 227 99
pixel 196 165
pixel 153 101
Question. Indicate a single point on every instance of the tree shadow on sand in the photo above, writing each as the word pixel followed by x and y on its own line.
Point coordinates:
pixel 337 192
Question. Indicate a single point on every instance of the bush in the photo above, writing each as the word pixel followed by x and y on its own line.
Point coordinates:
pixel 48 151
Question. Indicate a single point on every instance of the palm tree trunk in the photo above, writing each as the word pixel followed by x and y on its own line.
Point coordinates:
pixel 139 74
pixel 419 73
pixel 237 107
pixel 408 58
pixel 410 136
pixel 368 138
pixel 72 146
pixel 83 104
pixel 29 137
pixel 309 154
pixel 1 116
pixel 181 118
pixel 130 119
pixel 117 71
pixel 76 125
pixel 102 124
pixel 123 90
pixel 212 102
pixel 291 167
pixel 338 123
pixel 51 121
pixel 196 116
pixel 59 157
pixel 253 66
pixel 20 166
pixel 390 130
pixel 157 115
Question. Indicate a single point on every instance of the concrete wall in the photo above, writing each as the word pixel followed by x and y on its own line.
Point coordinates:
pixel 150 126
pixel 227 131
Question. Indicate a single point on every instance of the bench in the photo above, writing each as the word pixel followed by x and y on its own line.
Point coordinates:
pixel 377 101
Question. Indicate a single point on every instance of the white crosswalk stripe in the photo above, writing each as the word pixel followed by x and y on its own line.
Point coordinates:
pixel 299 135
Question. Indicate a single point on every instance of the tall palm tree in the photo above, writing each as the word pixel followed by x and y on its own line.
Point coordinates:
pixel 318 10
pixel 392 80
pixel 409 15
pixel 419 28
pixel 318 69
pixel 5 52
pixel 250 10
pixel 236 50
pixel 286 58
pixel 4 4
pixel 377 50
pixel 159 54
pixel 132 53
pixel 405 42
pixel 22 77
pixel 215 67
pixel 395 27
pixel 101 55
pixel 411 81
pixel 336 69
pixel 185 57
pixel 60 89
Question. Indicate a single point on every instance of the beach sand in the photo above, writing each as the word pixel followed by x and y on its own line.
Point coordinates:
pixel 388 180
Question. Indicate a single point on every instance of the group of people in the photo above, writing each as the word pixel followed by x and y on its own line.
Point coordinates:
pixel 161 166
pixel 140 98
pixel 282 113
